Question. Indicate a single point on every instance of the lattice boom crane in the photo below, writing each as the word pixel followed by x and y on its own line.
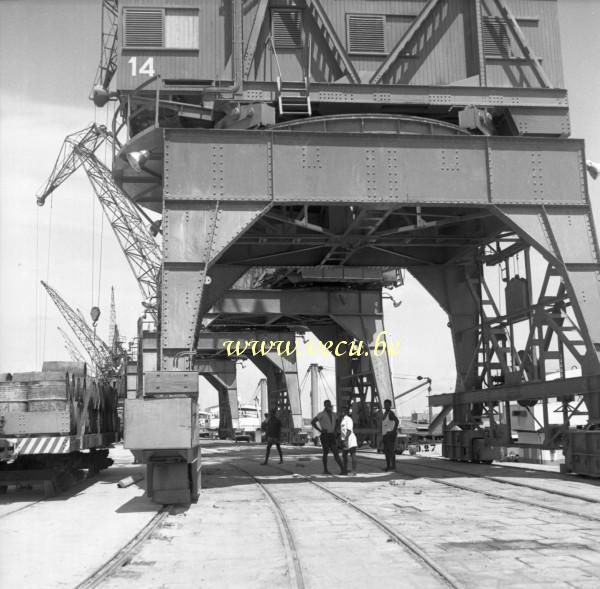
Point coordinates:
pixel 108 58
pixel 98 351
pixel 75 354
pixel 127 221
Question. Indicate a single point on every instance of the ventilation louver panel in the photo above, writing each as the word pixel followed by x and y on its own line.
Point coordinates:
pixel 143 28
pixel 496 42
pixel 286 26
pixel 366 33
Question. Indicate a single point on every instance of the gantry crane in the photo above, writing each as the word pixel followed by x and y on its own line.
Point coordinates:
pixel 130 225
pixel 101 355
pixel 75 354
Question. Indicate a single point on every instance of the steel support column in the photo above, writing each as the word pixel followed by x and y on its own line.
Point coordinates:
pixel 221 374
pixel 194 236
pixel 451 286
pixel 283 385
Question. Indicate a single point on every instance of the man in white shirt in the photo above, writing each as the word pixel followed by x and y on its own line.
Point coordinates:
pixel 349 441
pixel 327 425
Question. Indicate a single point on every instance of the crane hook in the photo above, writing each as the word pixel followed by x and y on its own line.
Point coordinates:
pixel 95 315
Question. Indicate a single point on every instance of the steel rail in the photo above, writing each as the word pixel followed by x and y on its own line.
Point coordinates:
pixel 517 484
pixel 123 556
pixel 22 508
pixel 394 535
pixel 494 495
pixel 287 536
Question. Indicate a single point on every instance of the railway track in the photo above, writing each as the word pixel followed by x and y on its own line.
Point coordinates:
pixel 125 554
pixel 294 538
pixel 416 551
pixel 19 509
pixel 519 484
pixel 522 501
pixel 294 568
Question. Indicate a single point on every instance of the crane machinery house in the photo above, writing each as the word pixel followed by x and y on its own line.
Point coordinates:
pixel 304 153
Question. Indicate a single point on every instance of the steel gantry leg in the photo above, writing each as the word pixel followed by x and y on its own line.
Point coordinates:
pixel 283 387
pixel 452 287
pixel 567 239
pixel 222 375
pixel 195 234
pixel 375 358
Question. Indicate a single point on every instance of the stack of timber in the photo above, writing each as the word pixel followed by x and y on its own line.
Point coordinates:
pixel 53 421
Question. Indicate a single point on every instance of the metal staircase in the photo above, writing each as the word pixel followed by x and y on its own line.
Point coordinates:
pixel 293 98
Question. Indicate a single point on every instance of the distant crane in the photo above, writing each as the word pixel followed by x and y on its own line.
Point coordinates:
pixel 132 227
pixel 99 352
pixel 75 354
pixel 113 328
pixel 108 59
pixel 426 382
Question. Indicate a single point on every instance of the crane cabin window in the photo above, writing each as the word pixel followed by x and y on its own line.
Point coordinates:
pixel 286 29
pixel 160 28
pixel 365 33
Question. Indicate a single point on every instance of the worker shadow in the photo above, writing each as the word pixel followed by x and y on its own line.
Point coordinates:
pixel 292 472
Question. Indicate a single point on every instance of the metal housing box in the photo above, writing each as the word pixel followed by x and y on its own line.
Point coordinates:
pixel 582 452
pixel 517 297
pixel 160 423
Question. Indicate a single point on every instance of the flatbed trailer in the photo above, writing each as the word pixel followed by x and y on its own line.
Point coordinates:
pixel 54 424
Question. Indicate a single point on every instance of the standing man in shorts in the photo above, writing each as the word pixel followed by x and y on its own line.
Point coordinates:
pixel 326 423
pixel 273 431
pixel 349 441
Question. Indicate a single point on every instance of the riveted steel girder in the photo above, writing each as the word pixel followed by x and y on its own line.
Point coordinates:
pixel 298 167
pixel 588 386
pixel 310 303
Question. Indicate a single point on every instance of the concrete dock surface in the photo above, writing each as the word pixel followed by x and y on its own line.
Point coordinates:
pixel 431 523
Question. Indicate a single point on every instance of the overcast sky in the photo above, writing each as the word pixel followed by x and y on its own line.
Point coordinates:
pixel 49 51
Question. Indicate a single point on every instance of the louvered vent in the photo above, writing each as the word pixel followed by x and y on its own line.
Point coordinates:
pixel 143 27
pixel 286 27
pixel 365 33
pixel 496 42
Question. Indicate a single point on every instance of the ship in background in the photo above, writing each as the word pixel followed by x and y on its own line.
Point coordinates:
pixel 245 426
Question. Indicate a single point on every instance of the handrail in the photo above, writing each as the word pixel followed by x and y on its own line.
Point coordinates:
pixel 270 40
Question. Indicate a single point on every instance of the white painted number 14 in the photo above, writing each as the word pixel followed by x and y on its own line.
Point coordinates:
pixel 147 68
